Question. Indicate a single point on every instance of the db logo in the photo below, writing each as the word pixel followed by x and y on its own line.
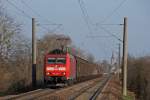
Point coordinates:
pixel 56 66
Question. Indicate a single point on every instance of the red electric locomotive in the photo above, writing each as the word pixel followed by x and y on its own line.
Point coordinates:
pixel 59 67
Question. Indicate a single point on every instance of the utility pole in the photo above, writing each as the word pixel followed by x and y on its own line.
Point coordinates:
pixel 1 47
pixel 125 56
pixel 33 54
pixel 119 59
pixel 112 62
pixel 119 54
pixel 112 58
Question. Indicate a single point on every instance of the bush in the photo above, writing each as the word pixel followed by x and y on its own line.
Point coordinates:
pixel 138 77
pixel 17 86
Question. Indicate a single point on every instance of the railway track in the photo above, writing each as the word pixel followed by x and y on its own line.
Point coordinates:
pixel 94 91
pixel 71 92
pixel 87 90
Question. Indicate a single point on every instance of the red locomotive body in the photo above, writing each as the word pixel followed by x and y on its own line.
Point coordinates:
pixel 62 67
pixel 59 68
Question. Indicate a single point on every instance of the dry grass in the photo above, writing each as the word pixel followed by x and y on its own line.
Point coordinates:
pixel 113 91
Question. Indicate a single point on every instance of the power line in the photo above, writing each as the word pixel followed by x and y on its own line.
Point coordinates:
pixel 85 11
pixel 53 30
pixel 35 12
pixel 86 18
pixel 109 15
pixel 85 14
pixel 98 36
pixel 56 28
pixel 108 32
pixel 24 3
pixel 28 16
pixel 44 28
pixel 109 24
pixel 25 14
pixel 49 24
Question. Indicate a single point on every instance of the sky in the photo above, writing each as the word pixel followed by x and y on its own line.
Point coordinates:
pixel 86 27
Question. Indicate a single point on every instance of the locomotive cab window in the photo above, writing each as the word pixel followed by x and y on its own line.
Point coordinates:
pixel 61 60
pixel 51 60
pixel 56 60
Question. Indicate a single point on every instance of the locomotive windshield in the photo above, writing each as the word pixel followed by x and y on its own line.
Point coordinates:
pixel 56 60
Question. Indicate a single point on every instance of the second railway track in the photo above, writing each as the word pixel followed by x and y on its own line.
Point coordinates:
pixel 92 92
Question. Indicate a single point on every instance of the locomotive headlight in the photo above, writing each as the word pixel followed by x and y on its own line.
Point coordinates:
pixel 62 68
pixel 50 68
pixel 47 73
pixel 63 73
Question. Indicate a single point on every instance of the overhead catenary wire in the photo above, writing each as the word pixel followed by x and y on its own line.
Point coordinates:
pixel 107 17
pixel 114 11
pixel 98 36
pixel 36 13
pixel 20 10
pixel 85 15
pixel 30 17
pixel 45 28
pixel 84 12
pixel 49 24
pixel 42 25
pixel 24 3
pixel 108 32
pixel 53 30
pixel 86 18
pixel 109 24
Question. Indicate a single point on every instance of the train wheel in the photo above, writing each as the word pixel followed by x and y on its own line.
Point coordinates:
pixel 45 84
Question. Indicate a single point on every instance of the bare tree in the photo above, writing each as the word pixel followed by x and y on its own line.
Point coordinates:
pixel 90 58
pixel 8 30
pixel 138 76
pixel 14 52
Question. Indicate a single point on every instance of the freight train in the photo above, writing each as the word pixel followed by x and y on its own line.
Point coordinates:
pixel 63 67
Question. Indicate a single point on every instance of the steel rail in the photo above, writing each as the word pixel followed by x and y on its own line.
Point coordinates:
pixel 99 90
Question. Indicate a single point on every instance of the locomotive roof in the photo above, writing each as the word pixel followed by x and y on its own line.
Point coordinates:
pixel 62 52
pixel 57 51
